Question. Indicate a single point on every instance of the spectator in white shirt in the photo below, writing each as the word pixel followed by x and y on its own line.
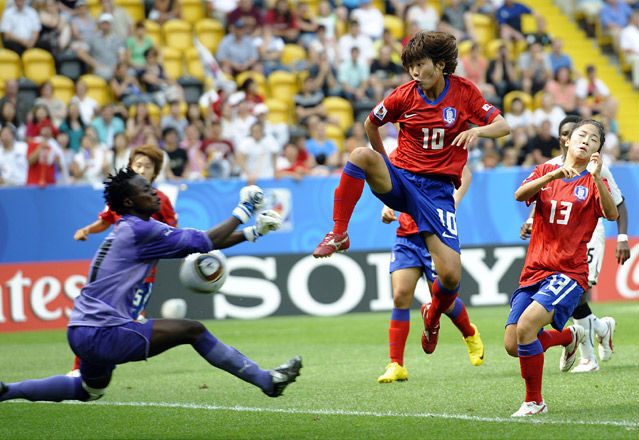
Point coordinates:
pixel 87 105
pixel 20 27
pixel 426 16
pixel 257 155
pixel 549 112
pixel 371 20
pixel 629 43
pixel 13 159
pixel 593 96
pixel 355 38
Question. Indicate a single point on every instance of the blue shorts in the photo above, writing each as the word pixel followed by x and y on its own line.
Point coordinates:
pixel 100 349
pixel 411 251
pixel 556 292
pixel 428 200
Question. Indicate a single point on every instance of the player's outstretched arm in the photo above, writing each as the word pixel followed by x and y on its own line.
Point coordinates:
pixel 607 203
pixel 94 228
pixel 623 248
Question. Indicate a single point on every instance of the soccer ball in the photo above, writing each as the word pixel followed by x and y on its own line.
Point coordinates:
pixel 204 273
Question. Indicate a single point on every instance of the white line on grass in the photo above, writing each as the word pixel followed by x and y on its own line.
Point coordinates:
pixel 341 412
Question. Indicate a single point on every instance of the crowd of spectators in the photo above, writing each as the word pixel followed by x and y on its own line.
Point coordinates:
pixel 351 54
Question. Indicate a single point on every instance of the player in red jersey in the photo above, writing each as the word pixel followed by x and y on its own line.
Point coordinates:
pixel 434 112
pixel 147 161
pixel 569 201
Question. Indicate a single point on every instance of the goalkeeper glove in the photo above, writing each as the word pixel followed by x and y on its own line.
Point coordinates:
pixel 251 200
pixel 265 222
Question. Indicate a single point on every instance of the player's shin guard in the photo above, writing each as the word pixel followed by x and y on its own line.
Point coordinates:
pixel 459 316
pixel 50 389
pixel 232 361
pixel 347 194
pixel 531 362
pixel 398 333
pixel 441 301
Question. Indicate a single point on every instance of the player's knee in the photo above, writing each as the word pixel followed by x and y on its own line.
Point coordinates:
pixel 402 298
pixel 511 348
pixel 361 156
pixel 193 329
pixel 449 279
pixel 92 393
pixel 526 330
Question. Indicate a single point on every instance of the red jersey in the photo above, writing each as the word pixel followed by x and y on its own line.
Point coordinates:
pixel 43 171
pixel 428 128
pixel 407 225
pixel 566 214
pixel 166 214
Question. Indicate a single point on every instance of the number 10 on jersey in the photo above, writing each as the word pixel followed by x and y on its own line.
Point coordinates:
pixel 436 140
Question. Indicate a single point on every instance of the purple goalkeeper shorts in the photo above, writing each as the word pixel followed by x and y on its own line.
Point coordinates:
pixel 100 349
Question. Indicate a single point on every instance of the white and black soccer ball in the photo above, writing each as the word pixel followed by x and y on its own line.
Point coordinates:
pixel 204 273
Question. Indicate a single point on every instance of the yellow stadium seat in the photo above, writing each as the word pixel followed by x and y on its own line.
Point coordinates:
pixel 177 34
pixel 10 62
pixel 2 84
pixel 135 8
pixel 192 10
pixel 63 88
pixel 194 64
pixel 154 111
pixel 257 77
pixel 528 24
pixel 395 25
pixel 537 99
pixel 484 26
pixel 380 5
pixel 492 47
pixel 97 88
pixel 95 8
pixel 154 32
pixel 278 111
pixel 210 32
pixel 525 97
pixel 336 134
pixel 292 54
pixel 464 48
pixel 341 109
pixel 172 62
pixel 282 85
pixel 38 65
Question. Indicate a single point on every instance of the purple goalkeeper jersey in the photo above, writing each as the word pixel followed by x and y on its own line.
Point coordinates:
pixel 121 265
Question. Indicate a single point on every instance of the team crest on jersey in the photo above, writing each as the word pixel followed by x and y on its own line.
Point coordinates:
pixel 380 111
pixel 450 116
pixel 581 192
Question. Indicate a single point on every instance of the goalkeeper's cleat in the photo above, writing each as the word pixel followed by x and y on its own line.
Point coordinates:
pixel 605 342
pixel 475 347
pixel 431 332
pixel 332 243
pixel 284 375
pixel 586 366
pixel 394 372
pixel 530 409
pixel 569 352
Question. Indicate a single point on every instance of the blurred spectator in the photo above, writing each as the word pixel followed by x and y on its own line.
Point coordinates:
pixel 34 118
pixel 309 102
pixel 355 38
pixel 136 125
pixel 563 90
pixel 590 9
pixel 307 22
pixel 256 155
pixel 236 52
pixel 556 58
pixel 323 150
pixel 291 163
pixel 278 131
pixel 165 10
pixel 592 93
pixel 413 28
pixel 107 126
pixel 20 27
pixel 226 119
pixel 250 93
pixel 490 160
pixel 501 72
pixel 516 146
pixel 269 49
pixel 353 76
pixel 456 19
pixel 90 165
pixel 137 45
pixel 242 120
pixel 633 153
pixel 282 21
pixel 177 156
pixel 250 16
pixel 83 26
pixel 196 164
pixel 13 159
pixel 520 116
pixel 73 126
pixel 55 34
pixel 425 15
pixel 87 104
pixel 174 119
pixel 8 118
pixel 371 20
pixel 533 68
pixel 105 49
pixel 119 156
pixel 194 117
pixel 57 108
pixel 355 137
pixel 156 82
pixel 509 157
pixel 549 112
pixel 543 145
pixel 475 69
pixel 326 17
pixel 509 20
pixel 125 87
pixel 384 74
pixel 46 159
pixel 219 152
pixel 629 44
pixel 392 43
pixel 219 9
pixel 122 22
pixel 324 74
pixel 389 141
pixel 21 107
pixel 614 16
pixel 62 138
pixel 323 44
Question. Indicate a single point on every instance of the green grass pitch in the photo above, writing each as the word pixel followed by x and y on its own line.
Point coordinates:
pixel 177 395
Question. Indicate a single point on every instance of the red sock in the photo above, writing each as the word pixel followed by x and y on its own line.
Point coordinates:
pixel 397 335
pixel 441 301
pixel 550 338
pixel 532 368
pixel 459 316
pixel 76 363
pixel 347 194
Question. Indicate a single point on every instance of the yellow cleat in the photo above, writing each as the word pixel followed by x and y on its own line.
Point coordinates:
pixel 394 372
pixel 475 348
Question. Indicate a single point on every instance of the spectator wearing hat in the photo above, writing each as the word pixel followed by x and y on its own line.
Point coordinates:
pixel 105 49
pixel 122 21
pixel 20 27
pixel 45 157
pixel 236 52
pixel 13 159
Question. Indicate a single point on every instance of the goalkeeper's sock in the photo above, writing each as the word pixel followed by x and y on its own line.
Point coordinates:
pixel 347 194
pixel 531 362
pixel 232 361
pixel 550 338
pixel 50 389
pixel 459 316
pixel 398 333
